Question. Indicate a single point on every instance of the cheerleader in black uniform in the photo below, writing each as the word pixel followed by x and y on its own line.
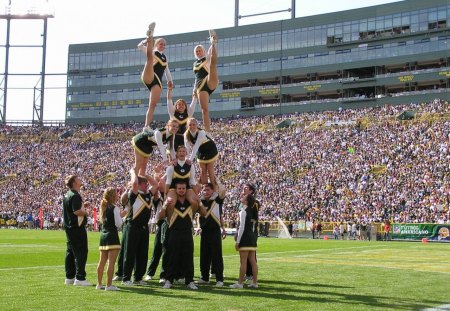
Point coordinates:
pixel 154 68
pixel 201 145
pixel 206 77
pixel 182 170
pixel 180 112
pixel 246 239
pixel 109 237
pixel 144 142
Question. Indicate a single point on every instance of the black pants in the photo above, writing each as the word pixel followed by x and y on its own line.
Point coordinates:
pixel 180 254
pixel 76 253
pixel 158 251
pixel 119 271
pixel 135 242
pixel 211 254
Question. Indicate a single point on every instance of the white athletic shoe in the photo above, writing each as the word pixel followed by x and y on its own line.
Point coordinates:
pixel 127 283
pixel 202 281
pixel 151 29
pixel 147 278
pixel 167 285
pixel 140 283
pixel 253 285
pixel 192 286
pixel 69 281
pixel 219 284
pixel 148 130
pixel 237 285
pixel 82 283
pixel 142 45
pixel 99 287
pixel 112 288
pixel 212 36
pixel 162 281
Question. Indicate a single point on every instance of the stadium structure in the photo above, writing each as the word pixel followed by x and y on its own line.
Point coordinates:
pixel 394 53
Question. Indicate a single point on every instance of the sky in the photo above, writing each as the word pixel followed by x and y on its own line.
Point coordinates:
pixel 87 21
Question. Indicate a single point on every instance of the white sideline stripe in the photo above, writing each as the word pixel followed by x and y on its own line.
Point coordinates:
pixel 438 308
pixel 228 256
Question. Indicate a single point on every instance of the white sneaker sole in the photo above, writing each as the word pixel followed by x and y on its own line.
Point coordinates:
pixel 151 29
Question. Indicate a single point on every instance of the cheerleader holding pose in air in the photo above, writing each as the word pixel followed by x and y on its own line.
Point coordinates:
pixel 201 145
pixel 180 112
pixel 154 68
pixel 206 77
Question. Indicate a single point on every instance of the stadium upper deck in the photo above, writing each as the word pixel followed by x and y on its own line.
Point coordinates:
pixel 388 54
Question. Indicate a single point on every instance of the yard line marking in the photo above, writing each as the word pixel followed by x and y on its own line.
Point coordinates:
pixel 227 256
pixel 438 308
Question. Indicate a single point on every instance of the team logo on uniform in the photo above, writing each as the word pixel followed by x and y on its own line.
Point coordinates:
pixel 182 170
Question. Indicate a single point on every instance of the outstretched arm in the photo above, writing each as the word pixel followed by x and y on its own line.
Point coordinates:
pixel 161 147
pixel 134 181
pixel 170 108
pixel 170 84
pixel 193 104
pixel 201 136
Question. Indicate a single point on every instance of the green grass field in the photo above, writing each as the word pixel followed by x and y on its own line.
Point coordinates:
pixel 294 275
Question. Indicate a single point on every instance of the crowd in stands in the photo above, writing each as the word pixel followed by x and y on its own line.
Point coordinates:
pixel 360 165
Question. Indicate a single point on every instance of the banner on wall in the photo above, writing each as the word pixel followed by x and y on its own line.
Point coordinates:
pixel 433 232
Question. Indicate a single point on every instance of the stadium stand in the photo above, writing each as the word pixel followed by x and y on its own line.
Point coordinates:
pixel 337 172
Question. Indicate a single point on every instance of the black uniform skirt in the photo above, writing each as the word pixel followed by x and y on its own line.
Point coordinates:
pixel 109 240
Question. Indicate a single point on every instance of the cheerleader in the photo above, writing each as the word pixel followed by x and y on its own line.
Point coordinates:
pixel 201 145
pixel 155 66
pixel 109 238
pixel 206 77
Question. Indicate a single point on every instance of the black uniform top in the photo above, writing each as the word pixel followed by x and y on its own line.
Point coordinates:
pixel 200 71
pixel 72 202
pixel 140 210
pixel 182 118
pixel 109 223
pixel 206 145
pixel 166 135
pixel 181 173
pixel 181 218
pixel 159 64
pixel 167 138
pixel 213 214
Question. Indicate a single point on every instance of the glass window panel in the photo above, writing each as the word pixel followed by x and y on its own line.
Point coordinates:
pixel 346 28
pixel 379 24
pixel 423 17
pixel 330 31
pixel 244 46
pixel 363 26
pixel 406 20
pixel 423 26
pixel 304 39
pixel 442 13
pixel 318 36
pixel 371 25
pixel 388 23
pixel 432 15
